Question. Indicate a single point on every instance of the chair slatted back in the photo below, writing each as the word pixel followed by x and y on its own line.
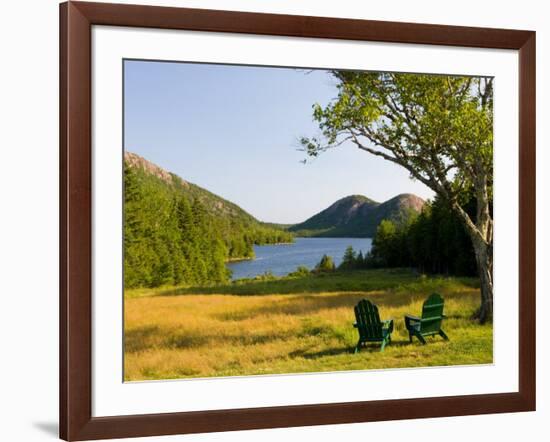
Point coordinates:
pixel 432 313
pixel 368 320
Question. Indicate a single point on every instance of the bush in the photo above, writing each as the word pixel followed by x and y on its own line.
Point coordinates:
pixel 300 272
pixel 266 276
pixel 325 265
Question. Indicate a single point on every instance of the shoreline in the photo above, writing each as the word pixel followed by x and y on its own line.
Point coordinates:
pixel 334 237
pixel 239 259
pixel 251 258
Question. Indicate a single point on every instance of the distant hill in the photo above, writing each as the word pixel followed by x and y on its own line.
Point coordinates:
pixel 176 232
pixel 214 204
pixel 357 216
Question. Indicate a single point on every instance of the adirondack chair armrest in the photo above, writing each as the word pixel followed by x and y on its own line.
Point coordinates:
pixel 388 324
pixel 431 319
pixel 412 322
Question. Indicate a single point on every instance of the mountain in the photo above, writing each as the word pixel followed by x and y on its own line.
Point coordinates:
pixel 213 203
pixel 357 216
pixel 176 232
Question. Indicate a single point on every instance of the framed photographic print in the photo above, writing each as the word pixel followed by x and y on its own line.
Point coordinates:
pixel 274 220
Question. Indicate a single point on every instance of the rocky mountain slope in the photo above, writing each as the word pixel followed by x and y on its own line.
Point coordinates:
pixel 357 216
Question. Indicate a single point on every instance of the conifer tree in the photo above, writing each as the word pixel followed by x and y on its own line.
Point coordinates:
pixel 349 259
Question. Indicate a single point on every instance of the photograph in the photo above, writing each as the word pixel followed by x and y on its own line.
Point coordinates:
pixel 283 220
pixel 241 221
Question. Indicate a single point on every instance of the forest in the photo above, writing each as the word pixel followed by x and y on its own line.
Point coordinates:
pixel 174 233
pixel 433 241
pixel 177 233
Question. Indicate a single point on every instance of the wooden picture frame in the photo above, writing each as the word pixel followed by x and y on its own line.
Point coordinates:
pixel 76 21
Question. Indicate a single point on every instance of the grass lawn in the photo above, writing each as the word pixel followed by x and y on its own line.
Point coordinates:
pixel 294 325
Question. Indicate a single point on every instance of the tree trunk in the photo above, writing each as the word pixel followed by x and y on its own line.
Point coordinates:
pixel 484 259
pixel 481 235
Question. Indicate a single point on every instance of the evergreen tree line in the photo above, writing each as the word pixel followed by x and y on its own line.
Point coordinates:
pixel 171 237
pixel 433 241
pixel 350 261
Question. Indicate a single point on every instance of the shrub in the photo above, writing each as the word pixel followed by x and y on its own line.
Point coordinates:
pixel 300 272
pixel 325 265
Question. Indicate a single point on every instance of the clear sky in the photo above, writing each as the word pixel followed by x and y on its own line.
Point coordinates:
pixel 234 129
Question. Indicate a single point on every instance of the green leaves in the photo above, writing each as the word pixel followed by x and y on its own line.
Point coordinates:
pixel 438 127
pixel 172 237
pixel 433 242
pixel 325 265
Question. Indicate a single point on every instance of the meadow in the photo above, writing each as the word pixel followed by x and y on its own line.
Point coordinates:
pixel 294 324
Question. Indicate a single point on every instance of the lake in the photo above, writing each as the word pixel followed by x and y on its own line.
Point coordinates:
pixel 281 259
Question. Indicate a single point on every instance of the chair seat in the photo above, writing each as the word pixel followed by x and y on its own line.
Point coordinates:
pixel 430 322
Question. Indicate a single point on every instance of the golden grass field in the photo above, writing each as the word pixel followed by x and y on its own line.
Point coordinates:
pixel 192 332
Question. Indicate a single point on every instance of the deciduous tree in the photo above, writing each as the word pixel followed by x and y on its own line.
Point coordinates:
pixel 438 127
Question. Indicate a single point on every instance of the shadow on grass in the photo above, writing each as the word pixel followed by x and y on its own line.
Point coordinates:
pixel 359 280
pixel 138 338
pixel 328 352
pixel 310 304
pixel 146 338
pixel 371 348
pixel 350 281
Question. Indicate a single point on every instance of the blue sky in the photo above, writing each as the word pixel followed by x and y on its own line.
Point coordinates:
pixel 234 129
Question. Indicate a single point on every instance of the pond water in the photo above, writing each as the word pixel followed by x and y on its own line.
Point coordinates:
pixel 281 259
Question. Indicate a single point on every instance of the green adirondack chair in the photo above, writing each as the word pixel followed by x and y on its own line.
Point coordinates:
pixel 430 322
pixel 369 326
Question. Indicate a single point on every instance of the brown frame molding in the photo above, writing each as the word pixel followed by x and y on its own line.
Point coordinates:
pixel 76 421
